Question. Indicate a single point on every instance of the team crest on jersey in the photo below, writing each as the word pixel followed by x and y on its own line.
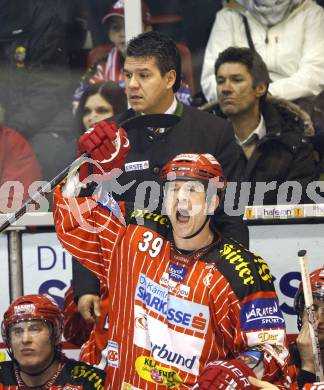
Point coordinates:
pixel 113 355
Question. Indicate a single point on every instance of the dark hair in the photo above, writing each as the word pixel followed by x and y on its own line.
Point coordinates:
pixel 253 62
pixel 162 48
pixel 110 91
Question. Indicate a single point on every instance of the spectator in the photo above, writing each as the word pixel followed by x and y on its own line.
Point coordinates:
pixel 176 317
pixel 152 70
pixel 19 164
pixel 112 67
pixel 35 79
pixel 289 36
pixel 32 330
pixel 100 101
pixel 271 132
pixel 302 351
pixel 94 11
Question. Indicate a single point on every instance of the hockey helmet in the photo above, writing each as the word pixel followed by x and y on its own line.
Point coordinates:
pixel 317 286
pixel 33 307
pixel 194 166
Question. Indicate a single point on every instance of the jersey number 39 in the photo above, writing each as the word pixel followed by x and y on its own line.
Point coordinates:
pixel 150 244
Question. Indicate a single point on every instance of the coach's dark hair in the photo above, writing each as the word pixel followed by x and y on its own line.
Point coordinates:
pixel 253 62
pixel 162 48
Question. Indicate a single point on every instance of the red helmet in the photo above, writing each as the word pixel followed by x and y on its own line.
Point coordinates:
pixel 33 307
pixel 118 9
pixel 194 166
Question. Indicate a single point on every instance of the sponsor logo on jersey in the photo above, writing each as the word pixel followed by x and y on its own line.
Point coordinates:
pixel 148 369
pixel 242 267
pixel 270 337
pixel 261 313
pixel 267 337
pixel 177 311
pixel 137 166
pixel 207 279
pixel 88 372
pixel 169 346
pixel 234 256
pixel 112 354
pixel 174 287
pixel 177 272
pixel 140 317
pixel 161 352
pixel 179 289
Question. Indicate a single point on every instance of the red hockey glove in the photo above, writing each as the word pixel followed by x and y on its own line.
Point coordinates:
pixel 105 143
pixel 225 374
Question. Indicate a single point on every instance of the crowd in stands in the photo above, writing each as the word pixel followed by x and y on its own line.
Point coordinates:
pixel 45 50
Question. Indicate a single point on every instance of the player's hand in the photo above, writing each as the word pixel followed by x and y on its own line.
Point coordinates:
pixel 263 385
pixel 304 345
pixel 89 307
pixel 220 374
pixel 105 143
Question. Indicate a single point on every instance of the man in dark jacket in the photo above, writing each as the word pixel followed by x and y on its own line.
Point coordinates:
pixel 35 81
pixel 153 74
pixel 271 132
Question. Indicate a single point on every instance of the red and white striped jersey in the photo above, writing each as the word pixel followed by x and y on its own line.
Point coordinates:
pixel 91 338
pixel 94 350
pixel 167 320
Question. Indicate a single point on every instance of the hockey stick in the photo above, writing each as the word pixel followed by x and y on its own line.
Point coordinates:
pixel 140 121
pixel 309 306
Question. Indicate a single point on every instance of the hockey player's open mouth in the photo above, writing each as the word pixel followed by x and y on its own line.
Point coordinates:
pixel 182 216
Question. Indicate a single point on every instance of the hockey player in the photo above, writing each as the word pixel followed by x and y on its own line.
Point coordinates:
pixel 186 306
pixel 32 330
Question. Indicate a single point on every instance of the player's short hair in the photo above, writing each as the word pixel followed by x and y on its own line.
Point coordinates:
pixel 162 48
pixel 252 61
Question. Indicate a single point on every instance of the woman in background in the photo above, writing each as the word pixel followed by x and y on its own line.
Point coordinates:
pixel 100 101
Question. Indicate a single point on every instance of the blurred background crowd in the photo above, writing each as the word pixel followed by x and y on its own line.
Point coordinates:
pixel 62 67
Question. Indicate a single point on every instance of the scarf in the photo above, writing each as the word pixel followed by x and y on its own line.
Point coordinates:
pixel 270 12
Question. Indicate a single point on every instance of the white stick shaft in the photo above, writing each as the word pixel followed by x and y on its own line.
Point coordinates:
pixel 311 317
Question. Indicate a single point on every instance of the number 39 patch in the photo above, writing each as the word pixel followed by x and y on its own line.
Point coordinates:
pixel 113 357
pixel 150 244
